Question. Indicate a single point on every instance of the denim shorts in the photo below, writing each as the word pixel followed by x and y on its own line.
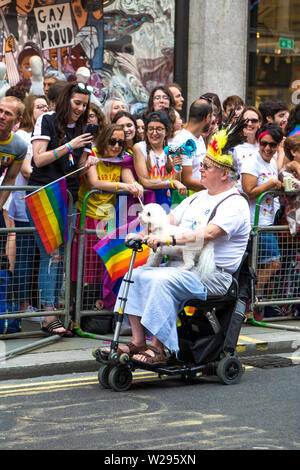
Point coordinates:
pixel 268 249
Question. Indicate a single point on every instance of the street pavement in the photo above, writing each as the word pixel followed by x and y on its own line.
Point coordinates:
pixel 40 355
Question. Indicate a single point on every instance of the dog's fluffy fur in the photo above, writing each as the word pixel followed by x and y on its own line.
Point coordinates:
pixel 194 254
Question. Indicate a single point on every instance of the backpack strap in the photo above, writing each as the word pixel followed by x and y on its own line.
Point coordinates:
pixel 216 207
pixel 213 213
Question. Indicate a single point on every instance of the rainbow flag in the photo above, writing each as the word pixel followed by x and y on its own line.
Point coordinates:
pixel 116 256
pixel 48 209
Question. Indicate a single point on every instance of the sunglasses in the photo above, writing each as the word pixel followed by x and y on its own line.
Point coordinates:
pixel 206 98
pixel 206 167
pixel 83 87
pixel 254 120
pixel 113 142
pixel 42 106
pixel 272 145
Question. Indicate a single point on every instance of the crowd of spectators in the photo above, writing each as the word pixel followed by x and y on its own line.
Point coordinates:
pixel 127 152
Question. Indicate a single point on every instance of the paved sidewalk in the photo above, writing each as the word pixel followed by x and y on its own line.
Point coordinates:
pixel 55 355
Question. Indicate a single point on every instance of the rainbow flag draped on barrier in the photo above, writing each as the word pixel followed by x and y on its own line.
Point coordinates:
pixel 48 209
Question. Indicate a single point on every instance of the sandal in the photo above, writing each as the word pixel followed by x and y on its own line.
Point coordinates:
pixel 133 349
pixel 54 325
pixel 159 358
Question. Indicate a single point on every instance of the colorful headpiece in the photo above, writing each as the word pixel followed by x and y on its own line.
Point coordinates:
pixel 219 150
pixel 215 150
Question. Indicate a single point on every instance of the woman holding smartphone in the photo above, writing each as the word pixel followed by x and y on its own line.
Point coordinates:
pixel 58 142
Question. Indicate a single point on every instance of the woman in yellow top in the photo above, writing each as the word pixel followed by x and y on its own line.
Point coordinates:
pixel 108 176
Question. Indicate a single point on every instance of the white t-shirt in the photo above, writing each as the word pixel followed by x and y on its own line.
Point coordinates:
pixel 242 152
pixel 232 216
pixel 26 136
pixel 200 153
pixel 264 171
pixel 158 162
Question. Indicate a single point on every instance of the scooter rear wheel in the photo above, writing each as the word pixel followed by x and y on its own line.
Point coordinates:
pixel 229 370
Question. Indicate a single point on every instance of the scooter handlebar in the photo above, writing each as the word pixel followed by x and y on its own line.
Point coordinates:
pixel 136 243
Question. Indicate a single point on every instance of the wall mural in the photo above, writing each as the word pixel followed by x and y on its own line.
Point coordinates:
pixel 128 45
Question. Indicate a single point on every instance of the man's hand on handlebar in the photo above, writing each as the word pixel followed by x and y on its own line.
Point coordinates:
pixel 151 240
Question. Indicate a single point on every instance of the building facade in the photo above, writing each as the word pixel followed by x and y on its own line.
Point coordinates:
pixel 249 48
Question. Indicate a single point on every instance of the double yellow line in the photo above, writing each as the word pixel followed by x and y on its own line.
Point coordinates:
pixel 63 384
pixel 66 383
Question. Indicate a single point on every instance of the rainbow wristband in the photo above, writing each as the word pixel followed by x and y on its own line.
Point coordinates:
pixel 55 154
pixel 69 147
pixel 171 183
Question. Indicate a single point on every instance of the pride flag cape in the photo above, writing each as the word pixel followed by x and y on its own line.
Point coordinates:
pixel 48 209
pixel 115 254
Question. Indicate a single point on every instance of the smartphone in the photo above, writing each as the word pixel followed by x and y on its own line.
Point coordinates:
pixel 91 129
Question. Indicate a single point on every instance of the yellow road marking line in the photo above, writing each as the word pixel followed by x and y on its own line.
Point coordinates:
pixel 43 387
pixel 48 382
pixel 60 384
pixel 294 358
pixel 250 340
pixel 62 381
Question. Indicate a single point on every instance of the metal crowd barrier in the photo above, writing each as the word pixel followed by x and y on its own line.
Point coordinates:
pixel 281 289
pixel 18 283
pixel 85 234
pixel 66 294
pixel 279 297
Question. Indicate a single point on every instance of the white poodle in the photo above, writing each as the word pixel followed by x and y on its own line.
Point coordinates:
pixel 194 254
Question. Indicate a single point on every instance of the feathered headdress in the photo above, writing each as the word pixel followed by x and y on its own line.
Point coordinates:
pixel 219 150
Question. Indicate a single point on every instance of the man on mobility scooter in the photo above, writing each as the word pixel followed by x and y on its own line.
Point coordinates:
pixel 155 296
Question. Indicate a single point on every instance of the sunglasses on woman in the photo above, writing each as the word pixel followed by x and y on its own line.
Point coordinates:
pixel 272 145
pixel 83 86
pixel 113 142
pixel 206 98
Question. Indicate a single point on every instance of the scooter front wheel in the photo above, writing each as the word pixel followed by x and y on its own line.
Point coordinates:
pixel 120 378
pixel 103 376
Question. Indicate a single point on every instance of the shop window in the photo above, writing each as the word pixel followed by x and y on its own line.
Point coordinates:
pixel 274 51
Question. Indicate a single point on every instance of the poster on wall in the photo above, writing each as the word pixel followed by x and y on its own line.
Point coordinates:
pixel 54 24
pixel 127 46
